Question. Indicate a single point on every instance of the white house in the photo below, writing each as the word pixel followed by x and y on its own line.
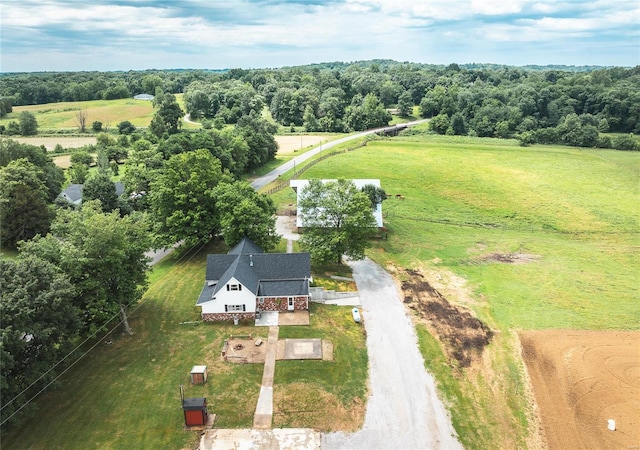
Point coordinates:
pixel 247 280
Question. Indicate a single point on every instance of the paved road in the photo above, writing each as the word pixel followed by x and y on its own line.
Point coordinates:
pixel 403 409
pixel 275 173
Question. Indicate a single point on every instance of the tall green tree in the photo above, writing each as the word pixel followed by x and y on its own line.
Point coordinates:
pixel 39 323
pixel 104 256
pixel 376 194
pixel 24 210
pixel 183 200
pixel 100 186
pixel 245 212
pixel 167 117
pixel 28 124
pixel 405 104
pixel 366 113
pixel 337 219
pixel 52 175
pixel 258 133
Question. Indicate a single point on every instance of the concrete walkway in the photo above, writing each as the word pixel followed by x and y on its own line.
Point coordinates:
pixel 264 410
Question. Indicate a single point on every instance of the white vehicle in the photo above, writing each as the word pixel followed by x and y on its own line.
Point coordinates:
pixel 356 315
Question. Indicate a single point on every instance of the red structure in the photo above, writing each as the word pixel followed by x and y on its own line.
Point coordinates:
pixel 195 411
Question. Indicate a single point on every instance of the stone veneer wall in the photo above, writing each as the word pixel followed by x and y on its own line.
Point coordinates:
pixel 228 317
pixel 281 303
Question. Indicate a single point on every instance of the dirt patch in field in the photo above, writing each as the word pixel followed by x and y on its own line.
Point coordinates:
pixel 511 258
pixel 581 380
pixel 463 335
pixel 291 144
pixel 51 142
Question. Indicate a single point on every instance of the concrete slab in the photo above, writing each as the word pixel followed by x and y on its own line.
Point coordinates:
pixel 265 401
pixel 267 319
pixel 303 349
pixel 277 439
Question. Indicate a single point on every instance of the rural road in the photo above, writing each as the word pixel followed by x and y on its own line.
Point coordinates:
pixel 403 409
pixel 275 173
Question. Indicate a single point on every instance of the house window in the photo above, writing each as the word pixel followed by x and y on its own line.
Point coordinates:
pixel 234 287
pixel 232 308
pixel 261 301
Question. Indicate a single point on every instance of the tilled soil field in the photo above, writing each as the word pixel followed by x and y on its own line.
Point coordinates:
pixel 581 380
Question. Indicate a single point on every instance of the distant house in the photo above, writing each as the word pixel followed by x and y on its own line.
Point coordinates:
pixel 143 97
pixel 246 280
pixel 299 185
pixel 73 193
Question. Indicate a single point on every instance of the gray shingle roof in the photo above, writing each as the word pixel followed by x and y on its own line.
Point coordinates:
pixel 73 193
pixel 245 247
pixel 264 274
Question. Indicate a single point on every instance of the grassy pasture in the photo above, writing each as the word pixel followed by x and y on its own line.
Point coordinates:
pixel 126 394
pixel 55 116
pixel 467 198
pixel 575 211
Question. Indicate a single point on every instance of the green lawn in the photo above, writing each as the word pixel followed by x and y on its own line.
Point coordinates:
pixel 126 394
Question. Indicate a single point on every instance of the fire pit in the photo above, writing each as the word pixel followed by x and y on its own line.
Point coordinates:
pixel 238 347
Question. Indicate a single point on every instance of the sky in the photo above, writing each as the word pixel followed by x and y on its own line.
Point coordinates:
pixel 106 35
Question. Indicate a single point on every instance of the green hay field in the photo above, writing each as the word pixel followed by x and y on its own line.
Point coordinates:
pixel 575 210
pixel 58 116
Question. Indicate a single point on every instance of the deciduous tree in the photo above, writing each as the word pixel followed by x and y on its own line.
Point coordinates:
pixel 183 200
pixel 245 212
pixel 39 322
pixel 104 256
pixel 28 124
pixel 52 175
pixel 337 219
pixel 24 211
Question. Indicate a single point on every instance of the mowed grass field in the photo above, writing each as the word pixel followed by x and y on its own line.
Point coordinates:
pixel 126 394
pixel 576 210
pixel 56 116
pixel 573 212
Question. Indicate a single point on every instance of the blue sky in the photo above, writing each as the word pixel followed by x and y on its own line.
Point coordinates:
pixel 57 35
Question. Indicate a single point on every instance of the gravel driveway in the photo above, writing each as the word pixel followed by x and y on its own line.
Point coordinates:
pixel 403 409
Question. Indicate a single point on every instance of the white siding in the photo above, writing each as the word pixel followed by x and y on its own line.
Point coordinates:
pixel 224 297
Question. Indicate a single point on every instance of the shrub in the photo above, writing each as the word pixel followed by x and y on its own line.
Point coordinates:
pixel 625 142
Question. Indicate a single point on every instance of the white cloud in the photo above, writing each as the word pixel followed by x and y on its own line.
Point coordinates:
pixel 241 33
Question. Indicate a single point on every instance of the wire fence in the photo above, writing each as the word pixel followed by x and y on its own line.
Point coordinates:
pixel 283 184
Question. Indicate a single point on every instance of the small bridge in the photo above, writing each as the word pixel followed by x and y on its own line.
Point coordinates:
pixel 391 131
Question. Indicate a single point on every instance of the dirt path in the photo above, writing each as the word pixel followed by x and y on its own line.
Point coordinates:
pixel 403 409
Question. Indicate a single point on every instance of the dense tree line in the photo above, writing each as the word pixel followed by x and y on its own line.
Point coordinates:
pixel 51 87
pixel 482 100
pixel 534 104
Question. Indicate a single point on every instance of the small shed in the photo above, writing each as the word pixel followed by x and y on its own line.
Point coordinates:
pixel 195 411
pixel 199 375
